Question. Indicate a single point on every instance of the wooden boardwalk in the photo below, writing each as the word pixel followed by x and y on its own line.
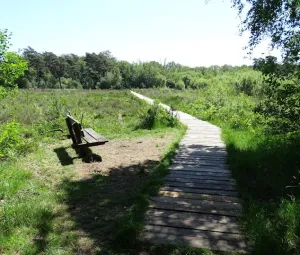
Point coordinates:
pixel 198 206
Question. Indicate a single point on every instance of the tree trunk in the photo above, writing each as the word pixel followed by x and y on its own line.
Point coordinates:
pixel 59 82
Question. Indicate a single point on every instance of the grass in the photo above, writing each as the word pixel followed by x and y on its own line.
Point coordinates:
pixel 266 167
pixel 114 114
pixel 45 208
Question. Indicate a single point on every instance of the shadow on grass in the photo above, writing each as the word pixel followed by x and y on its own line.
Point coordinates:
pixel 44 228
pixel 268 177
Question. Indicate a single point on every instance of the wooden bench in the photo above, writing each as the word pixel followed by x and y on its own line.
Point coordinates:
pixel 83 137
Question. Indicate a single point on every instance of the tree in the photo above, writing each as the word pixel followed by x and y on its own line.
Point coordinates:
pixel 4 43
pixel 12 66
pixel 278 20
pixel 56 65
pixel 36 64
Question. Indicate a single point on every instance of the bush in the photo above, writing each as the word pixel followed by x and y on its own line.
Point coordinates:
pixel 180 85
pixel 13 141
pixel 155 117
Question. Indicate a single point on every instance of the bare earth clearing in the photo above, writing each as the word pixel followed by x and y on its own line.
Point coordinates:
pixel 143 153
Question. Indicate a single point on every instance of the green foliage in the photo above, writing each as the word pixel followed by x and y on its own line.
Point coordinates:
pixel 12 66
pixel 11 69
pixel 111 80
pixel 94 71
pixel 4 43
pixel 69 83
pixel 12 140
pixel 277 20
pixel 155 116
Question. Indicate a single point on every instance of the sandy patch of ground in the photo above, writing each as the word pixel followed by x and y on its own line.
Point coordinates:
pixel 143 153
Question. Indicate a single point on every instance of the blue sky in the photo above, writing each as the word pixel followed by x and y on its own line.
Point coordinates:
pixel 189 32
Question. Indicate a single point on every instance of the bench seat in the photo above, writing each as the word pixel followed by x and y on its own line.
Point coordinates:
pixel 91 138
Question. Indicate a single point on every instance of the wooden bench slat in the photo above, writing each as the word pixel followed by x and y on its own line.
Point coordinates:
pixel 95 135
pixel 88 138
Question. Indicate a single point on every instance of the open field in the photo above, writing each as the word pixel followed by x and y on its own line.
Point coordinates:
pixel 265 165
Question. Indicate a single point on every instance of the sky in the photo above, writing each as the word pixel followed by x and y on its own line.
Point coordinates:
pixel 189 32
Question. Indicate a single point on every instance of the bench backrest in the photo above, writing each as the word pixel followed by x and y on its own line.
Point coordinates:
pixel 75 129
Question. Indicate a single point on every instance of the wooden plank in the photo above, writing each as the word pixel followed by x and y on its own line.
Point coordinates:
pixel 200 191
pixel 196 208
pixel 195 238
pixel 201 156
pixel 171 183
pixel 210 204
pixel 77 132
pixel 205 203
pixel 180 157
pixel 198 196
pixel 88 138
pixel 199 163
pixel 199 169
pixel 197 151
pixel 201 181
pixel 176 174
pixel 220 219
pixel 199 173
pixel 197 222
pixel 95 135
pixel 193 232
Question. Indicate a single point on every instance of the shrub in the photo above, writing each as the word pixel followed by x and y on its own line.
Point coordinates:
pixel 13 141
pixel 155 116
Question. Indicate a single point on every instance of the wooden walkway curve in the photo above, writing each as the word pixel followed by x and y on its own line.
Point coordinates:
pixel 198 206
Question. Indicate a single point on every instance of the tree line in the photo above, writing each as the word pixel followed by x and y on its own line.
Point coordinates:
pixel 103 71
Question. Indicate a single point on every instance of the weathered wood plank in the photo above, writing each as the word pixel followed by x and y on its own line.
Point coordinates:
pixel 199 169
pixel 197 185
pixel 194 232
pixel 201 181
pixel 197 174
pixel 197 222
pixel 199 239
pixel 196 208
pixel 198 196
pixel 199 163
pixel 196 202
pixel 200 158
pixel 95 135
pixel 88 138
pixel 200 191
pixel 190 215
